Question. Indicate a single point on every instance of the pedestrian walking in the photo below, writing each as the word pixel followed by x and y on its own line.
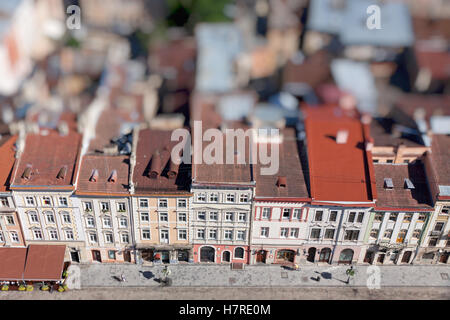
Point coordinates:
pixel 122 277
pixel 51 288
pixel 296 267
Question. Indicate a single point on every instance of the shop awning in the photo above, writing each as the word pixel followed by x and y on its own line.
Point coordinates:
pixel 44 263
pixel 12 263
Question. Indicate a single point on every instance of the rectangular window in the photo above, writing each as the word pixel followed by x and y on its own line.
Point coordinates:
pixel 201 234
pixel 182 234
pixel 286 213
pixel 333 216
pixel 108 238
pixel 4 202
pixel 228 235
pixel 145 217
pixel 318 216
pixel 393 216
pixel 104 206
pixel 264 232
pixel 266 213
pixel 164 217
pixel 243 198
pixel 162 203
pixel 212 234
pixel 29 201
pixel 46 201
pixel 126 238
pixel 407 217
pixel 34 217
pixel 182 217
pixel 201 197
pixel 181 203
pixel 201 215
pixel 66 218
pixel 121 207
pixel 37 234
pixel 242 217
pixel 284 232
pixel 387 234
pixel 69 235
pixel 213 215
pixel 63 201
pixel 329 234
pixel 378 216
pixel 230 197
pixel 422 217
pixel 360 217
pixel 401 236
pixel 416 233
pixel 143 203
pixel 351 216
pixel 50 218
pixel 87 206
pixel 240 235
pixel 315 234
pixel 351 235
pixel 374 233
pixel 213 197
pixel 293 233
pixel 53 234
pixel 123 222
pixel 2 239
pixel 106 222
pixel 112 254
pixel 439 226
pixel 228 216
pixel 297 214
pixel 14 236
pixel 90 221
pixel 445 210
pixel 432 242
pixel 10 220
pixel 92 237
pixel 146 234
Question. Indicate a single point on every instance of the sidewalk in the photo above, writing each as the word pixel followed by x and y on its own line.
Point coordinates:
pixel 195 275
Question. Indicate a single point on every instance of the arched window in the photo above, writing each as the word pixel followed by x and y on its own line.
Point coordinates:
pixel 239 253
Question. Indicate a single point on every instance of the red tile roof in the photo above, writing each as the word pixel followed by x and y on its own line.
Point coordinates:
pixel 399 197
pixel 107 167
pixel 44 262
pixel 438 62
pixel 290 170
pixel 436 104
pixel 7 152
pixel 153 154
pixel 338 172
pixel 440 157
pixel 46 154
pixel 12 263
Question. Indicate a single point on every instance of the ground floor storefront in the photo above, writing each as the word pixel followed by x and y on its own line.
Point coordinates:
pixel 204 253
pixel 164 254
pixel 102 255
pixel 386 255
pixel 433 255
pixel 305 254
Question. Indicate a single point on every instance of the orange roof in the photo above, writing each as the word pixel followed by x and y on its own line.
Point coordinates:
pixel 44 262
pixel 7 152
pixel 341 173
pixel 12 262
pixel 48 160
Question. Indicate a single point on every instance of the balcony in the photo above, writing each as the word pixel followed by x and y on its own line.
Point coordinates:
pixel 435 233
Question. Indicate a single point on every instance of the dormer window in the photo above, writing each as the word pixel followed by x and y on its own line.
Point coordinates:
pixel 113 176
pixel 62 173
pixel 26 173
pixel 388 184
pixel 281 182
pixel 408 184
pixel 94 176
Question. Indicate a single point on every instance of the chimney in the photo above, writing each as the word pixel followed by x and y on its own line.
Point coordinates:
pixel 155 168
pixel 94 175
pixel 342 136
pixel 62 173
pixel 26 173
pixel 281 182
pixel 173 169
pixel 113 177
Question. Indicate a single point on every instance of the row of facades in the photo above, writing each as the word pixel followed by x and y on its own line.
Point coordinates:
pixel 333 200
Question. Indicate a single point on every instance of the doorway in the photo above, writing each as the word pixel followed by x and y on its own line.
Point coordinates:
pixel 127 256
pixel 406 257
pixel 325 254
pixel 346 256
pixel 96 256
pixel 165 256
pixel 207 254
pixel 164 236
pixel 444 257
pixel 226 256
pixel 311 254
pixel 261 256
pixel 368 258
pixel 75 256
pixel 183 256
pixel 381 258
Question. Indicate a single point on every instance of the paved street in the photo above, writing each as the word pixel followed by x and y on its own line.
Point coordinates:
pixel 103 275
pixel 195 293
